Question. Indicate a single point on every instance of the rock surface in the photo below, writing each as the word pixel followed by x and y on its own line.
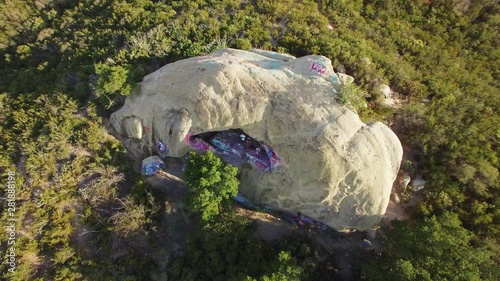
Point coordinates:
pixel 385 90
pixel 404 181
pixel 337 169
pixel 395 198
pixel 418 183
pixel 345 79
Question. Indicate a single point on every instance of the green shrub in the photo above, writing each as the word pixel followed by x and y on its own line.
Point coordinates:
pixel 213 184
pixel 353 97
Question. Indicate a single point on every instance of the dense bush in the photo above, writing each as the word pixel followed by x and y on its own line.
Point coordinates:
pixel 213 184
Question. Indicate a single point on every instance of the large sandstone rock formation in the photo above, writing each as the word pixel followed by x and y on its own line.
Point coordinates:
pixel 337 169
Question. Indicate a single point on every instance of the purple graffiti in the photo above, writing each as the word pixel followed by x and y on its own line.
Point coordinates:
pixel 196 143
pixel 234 146
pixel 162 148
pixel 318 68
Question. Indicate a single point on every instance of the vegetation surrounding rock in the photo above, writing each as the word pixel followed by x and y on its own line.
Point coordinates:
pixel 64 62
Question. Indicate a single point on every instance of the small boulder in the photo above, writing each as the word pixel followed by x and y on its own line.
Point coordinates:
pixel 418 184
pixel 404 181
pixel 395 198
pixel 384 90
pixel 133 127
pixel 366 244
pixel 366 61
pixel 152 165
pixel 345 79
pixel 390 102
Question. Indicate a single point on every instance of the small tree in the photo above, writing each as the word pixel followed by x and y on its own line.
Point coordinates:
pixel 213 184
pixel 112 81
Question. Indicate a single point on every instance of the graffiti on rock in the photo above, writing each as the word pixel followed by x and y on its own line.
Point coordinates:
pixel 236 147
pixel 318 68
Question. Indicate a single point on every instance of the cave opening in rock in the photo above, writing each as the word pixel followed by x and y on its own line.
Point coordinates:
pixel 236 147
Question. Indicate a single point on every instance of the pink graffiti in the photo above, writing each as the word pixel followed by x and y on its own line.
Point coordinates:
pixel 197 143
pixel 318 68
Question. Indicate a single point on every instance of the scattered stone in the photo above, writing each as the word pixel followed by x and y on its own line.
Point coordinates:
pixel 345 79
pixel 418 184
pixel 152 165
pixel 390 102
pixel 384 90
pixel 404 181
pixel 395 198
pixel 366 61
pixel 366 244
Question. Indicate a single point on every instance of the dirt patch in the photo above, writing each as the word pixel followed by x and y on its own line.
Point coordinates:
pixel 175 187
pixel 395 212
pixel 269 228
